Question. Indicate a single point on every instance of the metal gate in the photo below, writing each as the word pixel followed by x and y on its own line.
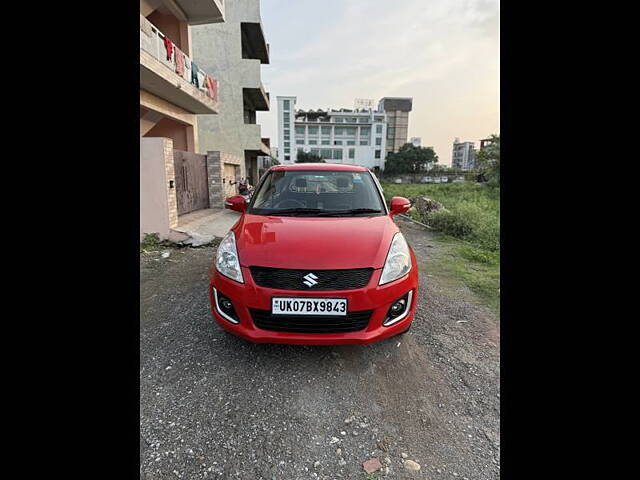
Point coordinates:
pixel 192 187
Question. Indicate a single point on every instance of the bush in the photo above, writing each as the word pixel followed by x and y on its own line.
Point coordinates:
pixel 468 221
pixel 457 224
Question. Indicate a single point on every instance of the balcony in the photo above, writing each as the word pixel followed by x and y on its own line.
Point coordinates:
pixel 254 44
pixel 198 12
pixel 266 145
pixel 159 75
pixel 255 98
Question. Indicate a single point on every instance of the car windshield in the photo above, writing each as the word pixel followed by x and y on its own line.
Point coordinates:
pixel 317 193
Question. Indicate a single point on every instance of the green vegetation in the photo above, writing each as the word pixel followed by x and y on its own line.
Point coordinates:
pixel 307 157
pixel 488 160
pixel 410 159
pixel 472 210
pixel 469 232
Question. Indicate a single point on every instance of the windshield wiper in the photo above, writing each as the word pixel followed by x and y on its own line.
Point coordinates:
pixel 353 211
pixel 291 211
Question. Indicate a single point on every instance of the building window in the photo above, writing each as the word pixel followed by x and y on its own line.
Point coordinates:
pixel 391 132
pixel 287 157
pixel 377 153
pixel 364 132
pixel 363 120
pixel 338 119
pixel 325 153
pixel 300 142
pixel 287 137
pixel 378 128
pixel 313 130
pixel 352 120
pixel 286 144
pixel 315 151
pixel 351 132
pixel 313 142
pixel 287 150
pixel 287 131
pixel 352 153
pixel 379 119
pixel 337 142
pixel 337 154
pixel 326 142
pixel 326 130
pixel 285 104
pixel 364 142
pixel 351 142
pixel 379 141
pixel 300 130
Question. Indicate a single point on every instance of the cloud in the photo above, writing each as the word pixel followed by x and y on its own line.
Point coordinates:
pixel 443 53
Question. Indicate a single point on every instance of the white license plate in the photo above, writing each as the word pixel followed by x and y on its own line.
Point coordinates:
pixel 308 306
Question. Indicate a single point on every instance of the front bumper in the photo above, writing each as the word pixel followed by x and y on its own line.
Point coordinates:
pixel 372 297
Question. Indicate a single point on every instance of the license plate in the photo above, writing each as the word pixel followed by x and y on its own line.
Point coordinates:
pixel 308 306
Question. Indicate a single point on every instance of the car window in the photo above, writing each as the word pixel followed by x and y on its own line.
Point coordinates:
pixel 317 192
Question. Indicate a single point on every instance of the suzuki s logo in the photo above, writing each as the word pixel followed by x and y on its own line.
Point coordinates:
pixel 310 280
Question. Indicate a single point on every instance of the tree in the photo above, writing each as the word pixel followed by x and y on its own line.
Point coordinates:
pixel 410 159
pixel 307 157
pixel 488 159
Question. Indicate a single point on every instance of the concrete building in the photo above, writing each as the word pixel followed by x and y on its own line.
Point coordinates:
pixel 356 137
pixel 485 142
pixel 463 155
pixel 234 51
pixel 416 141
pixel 173 91
pixel 397 110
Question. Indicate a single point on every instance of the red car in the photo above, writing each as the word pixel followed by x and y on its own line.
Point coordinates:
pixel 315 259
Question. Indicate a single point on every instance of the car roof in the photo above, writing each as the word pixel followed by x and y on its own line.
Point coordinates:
pixel 336 167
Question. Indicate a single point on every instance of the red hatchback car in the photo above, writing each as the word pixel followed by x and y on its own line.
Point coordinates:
pixel 315 259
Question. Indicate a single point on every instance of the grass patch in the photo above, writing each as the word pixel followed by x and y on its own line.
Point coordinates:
pixel 469 233
pixel 461 263
pixel 472 210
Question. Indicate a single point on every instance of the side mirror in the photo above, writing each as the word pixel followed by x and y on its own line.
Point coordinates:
pixel 399 205
pixel 237 203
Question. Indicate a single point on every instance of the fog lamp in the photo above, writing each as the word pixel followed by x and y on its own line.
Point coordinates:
pixel 225 307
pixel 399 309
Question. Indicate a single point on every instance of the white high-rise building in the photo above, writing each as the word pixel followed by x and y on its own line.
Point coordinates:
pixel 355 137
pixel 464 155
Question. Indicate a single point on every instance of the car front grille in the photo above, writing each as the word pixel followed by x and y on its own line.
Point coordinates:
pixel 352 322
pixel 291 279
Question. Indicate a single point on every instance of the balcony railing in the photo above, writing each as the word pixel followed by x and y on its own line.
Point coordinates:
pixel 152 41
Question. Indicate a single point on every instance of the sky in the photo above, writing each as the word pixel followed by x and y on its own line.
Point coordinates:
pixel 443 53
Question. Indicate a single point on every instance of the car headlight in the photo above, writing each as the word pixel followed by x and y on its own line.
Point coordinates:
pixel 227 262
pixel 398 261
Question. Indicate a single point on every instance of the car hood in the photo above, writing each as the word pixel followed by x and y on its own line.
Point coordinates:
pixel 314 242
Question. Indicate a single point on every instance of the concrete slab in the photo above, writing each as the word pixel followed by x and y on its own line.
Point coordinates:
pixel 203 226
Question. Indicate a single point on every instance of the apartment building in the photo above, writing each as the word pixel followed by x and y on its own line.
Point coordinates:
pixel 235 51
pixel 356 137
pixel 463 155
pixel 397 110
pixel 174 90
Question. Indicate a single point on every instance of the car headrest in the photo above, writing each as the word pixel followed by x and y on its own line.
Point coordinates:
pixel 342 182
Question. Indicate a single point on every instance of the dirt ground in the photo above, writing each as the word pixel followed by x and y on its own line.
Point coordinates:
pixel 215 406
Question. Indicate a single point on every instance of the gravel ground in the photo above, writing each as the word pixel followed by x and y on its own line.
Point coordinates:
pixel 215 406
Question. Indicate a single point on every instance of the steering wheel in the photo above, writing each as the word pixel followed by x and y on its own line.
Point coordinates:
pixel 297 203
